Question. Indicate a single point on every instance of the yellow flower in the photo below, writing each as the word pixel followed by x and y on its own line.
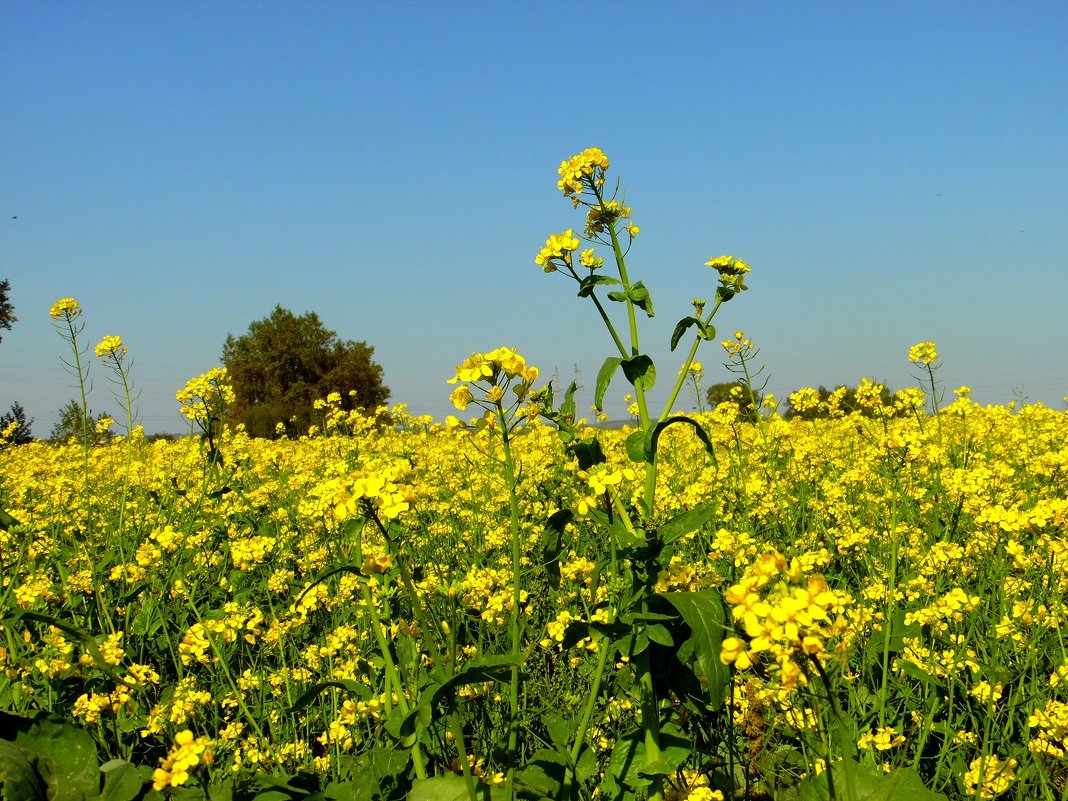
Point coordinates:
pixel 188 752
pixel 461 396
pixel 580 170
pixel 557 247
pixel 111 347
pixel 65 307
pixel 995 779
pixel 923 353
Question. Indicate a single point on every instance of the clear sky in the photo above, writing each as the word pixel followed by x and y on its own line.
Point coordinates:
pixel 893 173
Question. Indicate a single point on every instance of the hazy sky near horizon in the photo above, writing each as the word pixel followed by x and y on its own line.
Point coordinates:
pixel 892 172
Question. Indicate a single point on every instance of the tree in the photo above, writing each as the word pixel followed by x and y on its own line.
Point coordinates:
pixel 840 401
pixel 285 363
pixel 737 393
pixel 7 311
pixel 74 423
pixel 21 433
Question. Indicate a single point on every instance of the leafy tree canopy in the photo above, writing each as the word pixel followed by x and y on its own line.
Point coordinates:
pixel 19 433
pixel 735 392
pixel 73 422
pixel 7 311
pixel 842 400
pixel 285 363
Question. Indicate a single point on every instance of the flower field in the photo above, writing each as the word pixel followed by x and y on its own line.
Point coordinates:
pixel 938 623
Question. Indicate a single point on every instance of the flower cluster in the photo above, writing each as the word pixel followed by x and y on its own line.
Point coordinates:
pixel 558 249
pixel 68 308
pixel 378 487
pixel 497 371
pixel 732 273
pixel 923 353
pixel 111 347
pixel 188 752
pixel 784 615
pixel 582 170
pixel 989 777
pixel 206 396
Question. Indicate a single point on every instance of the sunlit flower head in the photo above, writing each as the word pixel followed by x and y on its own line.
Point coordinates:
pixel 558 248
pixel 110 347
pixel 583 169
pixel 65 307
pixel 923 353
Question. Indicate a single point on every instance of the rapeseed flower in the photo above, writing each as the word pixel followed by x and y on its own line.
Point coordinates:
pixel 923 353
pixel 585 169
pixel 67 308
pixel 188 752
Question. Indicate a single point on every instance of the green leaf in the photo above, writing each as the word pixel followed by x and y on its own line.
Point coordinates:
pixel 639 296
pixel 544 773
pixel 19 779
pixel 704 614
pixel 702 435
pixel 618 297
pixel 587 452
pixel 496 667
pixel 313 692
pixel 681 328
pixel 640 371
pixel 903 784
pixel 635 445
pixel 552 542
pixel 685 522
pixel 64 757
pixel 452 787
pixel 376 775
pixel 122 781
pixel 587 284
pixel 604 378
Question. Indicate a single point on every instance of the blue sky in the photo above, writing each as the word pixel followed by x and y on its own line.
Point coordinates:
pixel 893 173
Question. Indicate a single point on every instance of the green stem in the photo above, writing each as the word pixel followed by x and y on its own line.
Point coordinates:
pixel 517 564
pixel 685 369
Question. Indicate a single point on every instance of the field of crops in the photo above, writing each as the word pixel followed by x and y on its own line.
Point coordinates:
pixel 198 581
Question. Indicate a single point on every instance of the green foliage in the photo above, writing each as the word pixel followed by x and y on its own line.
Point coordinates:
pixel 285 363
pixel 7 311
pixel 737 393
pixel 45 758
pixel 21 434
pixel 842 400
pixel 74 423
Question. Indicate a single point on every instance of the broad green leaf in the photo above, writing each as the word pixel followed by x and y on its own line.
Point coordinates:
pixel 65 757
pixel 635 446
pixel 496 667
pixel 903 784
pixel 551 542
pixel 356 688
pixel 681 328
pixel 702 435
pixel 19 779
pixel 604 378
pixel 544 773
pixel 452 787
pixel 704 614
pixel 640 371
pixel 639 296
pixel 685 522
pixel 618 297
pixel 587 453
pixel 122 781
pixel 587 284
